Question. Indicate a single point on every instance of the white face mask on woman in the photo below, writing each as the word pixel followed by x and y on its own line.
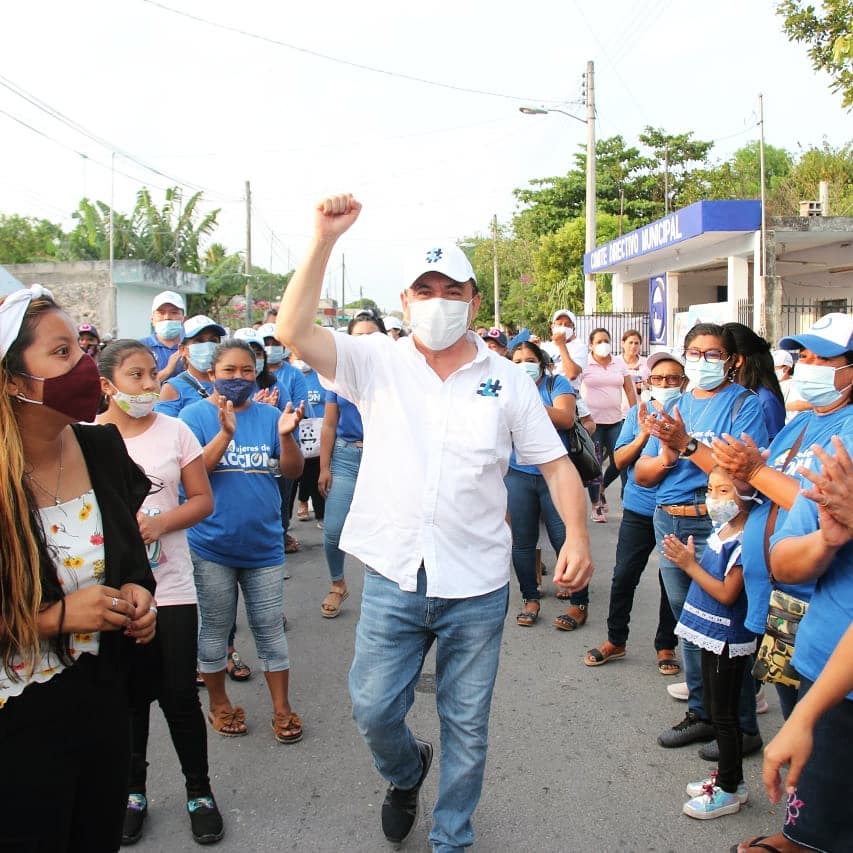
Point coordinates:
pixel 602 350
pixel 438 323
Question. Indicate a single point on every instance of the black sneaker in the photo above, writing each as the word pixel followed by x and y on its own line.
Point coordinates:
pixel 400 808
pixel 134 816
pixel 750 745
pixel 205 820
pixel 691 729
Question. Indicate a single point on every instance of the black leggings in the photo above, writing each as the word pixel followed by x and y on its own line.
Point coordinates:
pixel 65 757
pixel 176 652
pixel 722 679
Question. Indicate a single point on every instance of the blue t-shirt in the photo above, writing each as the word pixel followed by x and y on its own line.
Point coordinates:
pixel 291 386
pixel 244 530
pixel 709 623
pixel 831 608
pixel 559 386
pixel 189 391
pixel 774 411
pixel 639 499
pixel 818 430
pixel 350 427
pixel 705 419
pixel 315 406
pixel 162 353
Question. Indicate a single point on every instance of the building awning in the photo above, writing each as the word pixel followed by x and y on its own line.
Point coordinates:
pixel 704 224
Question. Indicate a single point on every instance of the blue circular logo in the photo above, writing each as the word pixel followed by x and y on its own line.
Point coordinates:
pixel 657 310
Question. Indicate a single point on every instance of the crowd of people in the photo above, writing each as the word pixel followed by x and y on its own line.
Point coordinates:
pixel 150 481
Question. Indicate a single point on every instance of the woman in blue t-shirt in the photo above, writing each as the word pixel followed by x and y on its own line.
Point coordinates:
pixel 677 460
pixel 528 497
pixel 307 487
pixel 341 443
pixel 247 446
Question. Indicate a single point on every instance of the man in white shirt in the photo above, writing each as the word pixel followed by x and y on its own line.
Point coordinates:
pixel 435 543
pixel 569 356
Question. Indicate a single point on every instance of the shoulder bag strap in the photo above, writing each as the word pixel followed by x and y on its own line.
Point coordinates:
pixel 770 526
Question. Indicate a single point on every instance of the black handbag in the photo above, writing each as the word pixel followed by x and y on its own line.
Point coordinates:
pixel 580 447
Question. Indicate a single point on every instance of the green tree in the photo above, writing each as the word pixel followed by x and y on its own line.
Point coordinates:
pixel 834 165
pixel 829 38
pixel 25 240
pixel 740 177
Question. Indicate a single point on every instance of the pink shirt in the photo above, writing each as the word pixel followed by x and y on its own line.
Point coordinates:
pixel 602 390
pixel 166 447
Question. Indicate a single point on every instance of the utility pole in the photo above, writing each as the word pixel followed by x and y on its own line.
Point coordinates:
pixel 495 268
pixel 759 296
pixel 589 295
pixel 248 255
pixel 113 319
pixel 343 276
pixel 666 179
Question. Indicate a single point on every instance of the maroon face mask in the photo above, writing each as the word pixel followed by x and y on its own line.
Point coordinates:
pixel 76 394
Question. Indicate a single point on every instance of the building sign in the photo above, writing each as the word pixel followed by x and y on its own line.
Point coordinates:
pixel 658 311
pixel 691 221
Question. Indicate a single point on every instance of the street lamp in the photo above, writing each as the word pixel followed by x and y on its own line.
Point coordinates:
pixel 589 298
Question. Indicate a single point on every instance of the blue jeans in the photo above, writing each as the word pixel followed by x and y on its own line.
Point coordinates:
pixel 395 631
pixel 633 547
pixel 346 460
pixel 528 498
pixel 677 583
pixel 263 592
pixel 605 437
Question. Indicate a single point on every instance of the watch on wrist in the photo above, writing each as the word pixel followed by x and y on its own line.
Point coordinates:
pixel 691 448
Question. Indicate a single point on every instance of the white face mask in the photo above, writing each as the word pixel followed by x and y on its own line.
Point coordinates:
pixel 815 383
pixel 438 323
pixel 136 405
pixel 780 373
pixel 568 331
pixel 531 368
pixel 721 511
pixel 663 395
pixel 602 350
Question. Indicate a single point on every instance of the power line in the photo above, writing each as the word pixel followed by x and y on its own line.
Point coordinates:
pixel 317 55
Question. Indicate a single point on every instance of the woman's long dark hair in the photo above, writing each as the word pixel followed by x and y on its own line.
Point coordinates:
pixel 757 370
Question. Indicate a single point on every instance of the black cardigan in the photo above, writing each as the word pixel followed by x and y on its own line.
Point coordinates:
pixel 120 487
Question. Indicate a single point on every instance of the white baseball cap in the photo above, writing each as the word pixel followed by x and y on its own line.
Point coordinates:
pixel 447 259
pixel 663 355
pixel 828 337
pixel 168 297
pixel 199 323
pixel 564 312
pixel 250 336
pixel 782 358
pixel 392 322
pixel 266 331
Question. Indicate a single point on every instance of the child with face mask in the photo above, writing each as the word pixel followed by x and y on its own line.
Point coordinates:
pixel 171 457
pixel 713 618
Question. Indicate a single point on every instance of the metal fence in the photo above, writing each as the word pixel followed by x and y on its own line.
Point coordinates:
pixel 617 323
pixel 798 315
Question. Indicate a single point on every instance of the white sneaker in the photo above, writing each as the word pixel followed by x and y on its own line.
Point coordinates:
pixel 678 691
pixel 715 802
pixel 696 789
pixel 761 704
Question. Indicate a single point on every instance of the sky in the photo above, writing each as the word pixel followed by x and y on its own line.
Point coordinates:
pixel 411 107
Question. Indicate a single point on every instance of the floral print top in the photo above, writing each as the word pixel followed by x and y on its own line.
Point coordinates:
pixel 75 540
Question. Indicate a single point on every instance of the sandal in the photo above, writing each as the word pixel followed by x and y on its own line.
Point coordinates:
pixel 562 595
pixel 236 669
pixel 331 607
pixel 229 722
pixel 667 664
pixel 199 681
pixel 756 842
pixel 607 651
pixel 291 544
pixel 572 619
pixel 526 618
pixel 282 724
pixel 302 512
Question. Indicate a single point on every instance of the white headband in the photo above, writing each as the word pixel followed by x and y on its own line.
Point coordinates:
pixel 12 311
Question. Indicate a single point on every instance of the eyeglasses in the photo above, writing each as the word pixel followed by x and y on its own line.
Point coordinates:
pixel 667 379
pixel 712 356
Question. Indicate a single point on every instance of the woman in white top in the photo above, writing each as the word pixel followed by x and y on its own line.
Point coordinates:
pixel 171 457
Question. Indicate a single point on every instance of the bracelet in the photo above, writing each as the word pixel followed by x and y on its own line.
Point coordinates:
pixel 61 616
pixel 674 464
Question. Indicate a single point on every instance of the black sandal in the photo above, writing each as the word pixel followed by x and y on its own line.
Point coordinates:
pixel 236 669
pixel 567 622
pixel 526 618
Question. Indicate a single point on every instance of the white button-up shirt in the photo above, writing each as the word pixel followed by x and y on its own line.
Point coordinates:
pixel 449 442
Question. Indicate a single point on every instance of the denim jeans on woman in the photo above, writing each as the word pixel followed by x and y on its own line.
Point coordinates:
pixel 263 593
pixel 528 499
pixel 605 437
pixel 395 631
pixel 346 460
pixel 677 583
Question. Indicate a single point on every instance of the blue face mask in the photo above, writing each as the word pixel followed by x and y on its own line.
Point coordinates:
pixel 531 368
pixel 704 375
pixel 815 383
pixel 236 390
pixel 168 330
pixel 259 365
pixel 201 355
pixel 664 395
pixel 275 354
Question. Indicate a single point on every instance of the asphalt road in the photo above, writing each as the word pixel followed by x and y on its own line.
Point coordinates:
pixel 573 759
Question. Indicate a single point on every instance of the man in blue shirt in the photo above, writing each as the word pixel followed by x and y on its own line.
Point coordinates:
pixel 168 310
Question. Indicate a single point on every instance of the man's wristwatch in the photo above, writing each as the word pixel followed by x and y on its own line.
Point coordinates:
pixel 690 449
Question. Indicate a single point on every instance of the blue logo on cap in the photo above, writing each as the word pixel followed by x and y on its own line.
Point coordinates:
pixel 433 256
